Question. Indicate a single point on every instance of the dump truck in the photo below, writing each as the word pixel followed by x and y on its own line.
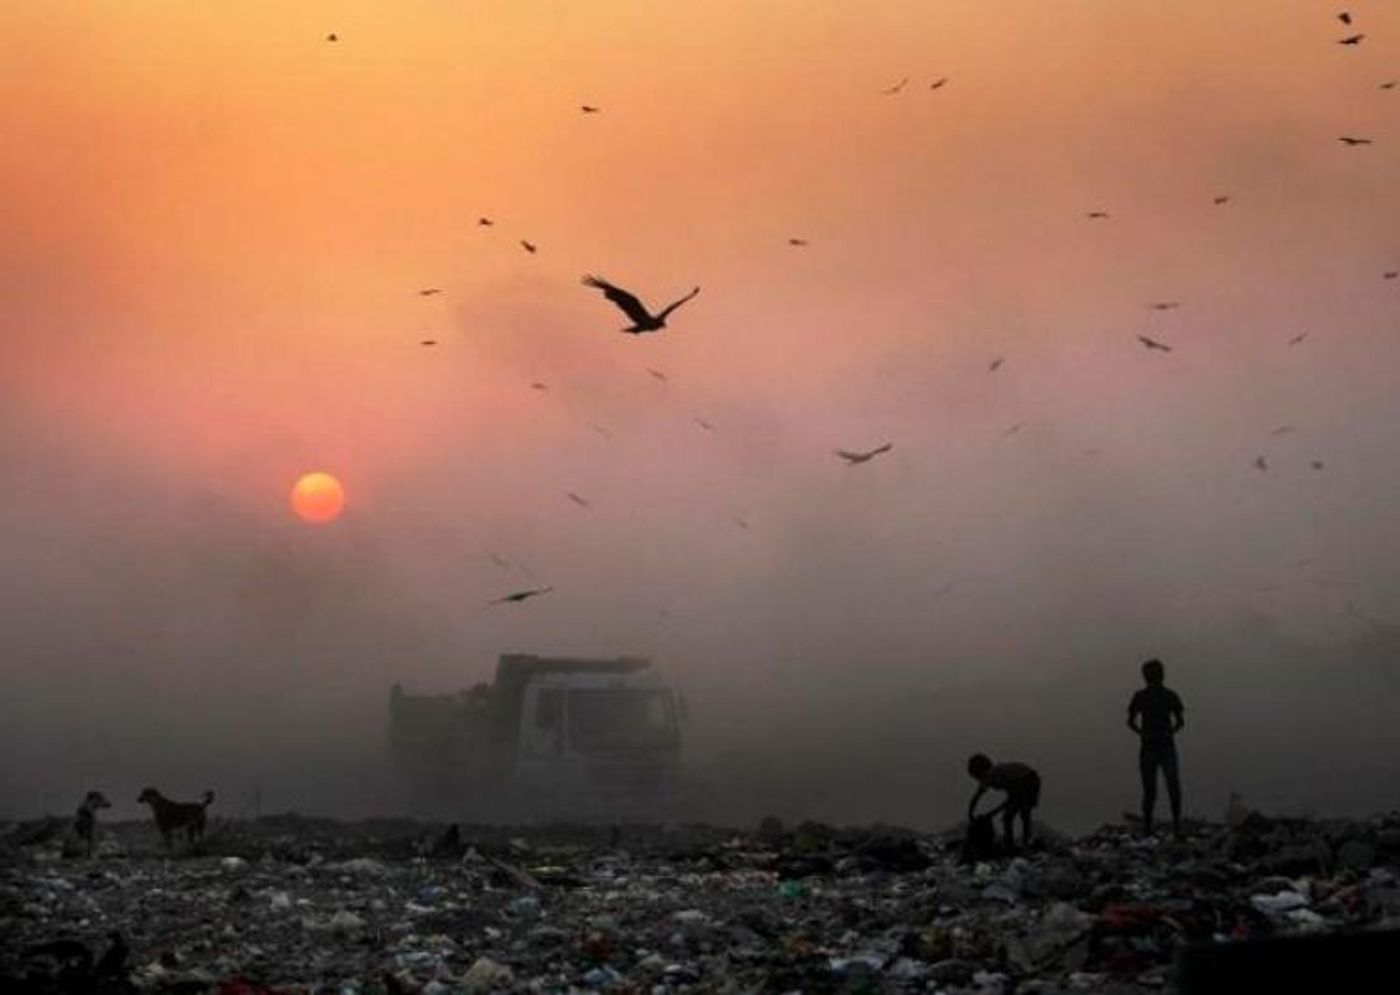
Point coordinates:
pixel 550 736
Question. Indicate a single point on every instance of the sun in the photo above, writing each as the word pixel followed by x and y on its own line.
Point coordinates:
pixel 318 497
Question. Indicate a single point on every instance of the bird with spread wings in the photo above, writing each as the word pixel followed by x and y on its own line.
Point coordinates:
pixel 642 319
pixel 854 458
pixel 517 597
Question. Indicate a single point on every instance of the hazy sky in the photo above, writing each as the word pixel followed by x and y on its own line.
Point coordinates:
pixel 216 225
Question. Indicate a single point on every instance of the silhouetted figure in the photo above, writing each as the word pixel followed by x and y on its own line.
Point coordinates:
pixel 1022 786
pixel 1156 715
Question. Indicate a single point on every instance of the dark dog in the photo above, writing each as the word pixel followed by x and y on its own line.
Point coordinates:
pixel 171 816
pixel 85 822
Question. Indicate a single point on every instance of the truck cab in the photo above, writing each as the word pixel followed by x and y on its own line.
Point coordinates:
pixel 561 736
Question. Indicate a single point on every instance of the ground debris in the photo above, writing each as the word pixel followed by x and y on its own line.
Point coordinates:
pixel 287 904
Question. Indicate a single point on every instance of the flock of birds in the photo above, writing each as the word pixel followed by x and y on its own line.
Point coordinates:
pixel 643 320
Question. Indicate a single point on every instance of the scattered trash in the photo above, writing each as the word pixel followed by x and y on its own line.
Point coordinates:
pixel 291 904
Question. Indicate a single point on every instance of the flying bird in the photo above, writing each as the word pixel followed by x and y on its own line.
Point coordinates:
pixel 429 291
pixel 515 597
pixel 582 502
pixel 1350 40
pixel 942 81
pixel 427 341
pixel 642 319
pixel 485 222
pixel 589 109
pixel 332 37
pixel 891 91
pixel 1344 17
pixel 1297 339
pixel 1390 274
pixel 1013 429
pixel 1283 430
pixel 1152 343
pixel 707 426
pixel 740 523
pixel 1390 84
pixel 539 385
pixel 797 241
pixel 529 247
pixel 1352 140
pixel 657 374
pixel 1096 214
pixel 854 458
pixel 1317 464
pixel 995 364
pixel 1224 198
pixel 1165 305
pixel 1261 464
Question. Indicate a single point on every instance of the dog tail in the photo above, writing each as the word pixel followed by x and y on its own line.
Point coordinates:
pixel 207 799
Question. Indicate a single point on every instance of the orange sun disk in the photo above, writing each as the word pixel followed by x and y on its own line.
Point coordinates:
pixel 318 497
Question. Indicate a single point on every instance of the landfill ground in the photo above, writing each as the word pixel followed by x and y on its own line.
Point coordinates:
pixel 293 904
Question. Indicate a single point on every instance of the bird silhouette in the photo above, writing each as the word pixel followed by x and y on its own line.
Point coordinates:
pixel 1013 429
pixel 589 109
pixel 856 458
pixel 891 91
pixel 1165 305
pixel 1390 84
pixel 797 241
pixel 529 247
pixel 642 319
pixel 1261 464
pixel 1224 198
pixel 515 597
pixel 740 523
pixel 1297 339
pixel 1353 140
pixel 1152 343
pixel 429 291
pixel 427 341
pixel 539 385
pixel 577 499
pixel 1350 40
pixel 1096 214
pixel 939 83
pixel 1283 430
pixel 707 426
pixel 995 364
pixel 1317 464
pixel 332 37
pixel 1390 274
pixel 1344 17
pixel 485 222
pixel 656 374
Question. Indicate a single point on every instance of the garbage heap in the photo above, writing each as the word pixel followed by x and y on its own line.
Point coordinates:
pixel 284 905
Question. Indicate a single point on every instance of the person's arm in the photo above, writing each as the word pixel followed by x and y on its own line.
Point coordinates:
pixel 972 805
pixel 1178 715
pixel 1134 711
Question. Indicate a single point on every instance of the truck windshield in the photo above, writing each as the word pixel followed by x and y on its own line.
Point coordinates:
pixel 615 720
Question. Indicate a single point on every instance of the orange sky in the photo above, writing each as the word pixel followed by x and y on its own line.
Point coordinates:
pixel 216 223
